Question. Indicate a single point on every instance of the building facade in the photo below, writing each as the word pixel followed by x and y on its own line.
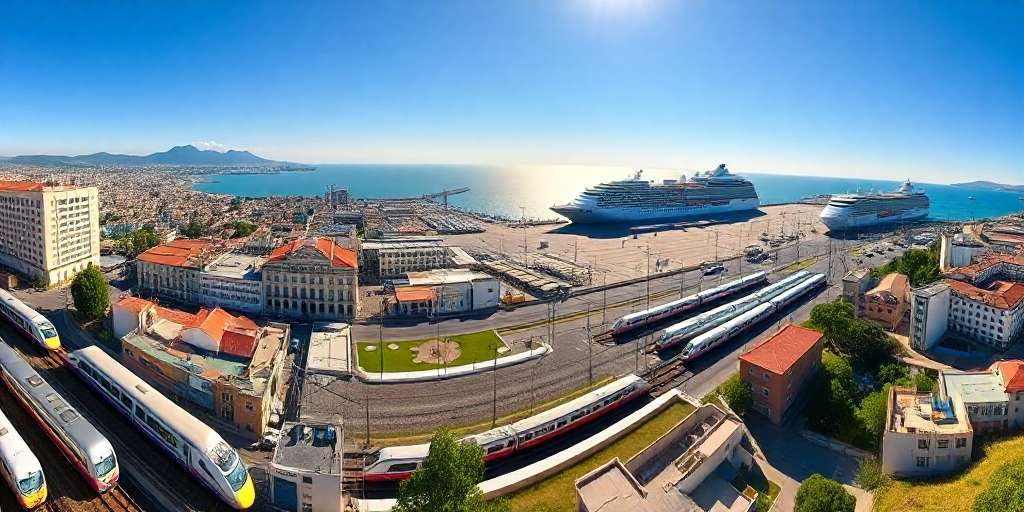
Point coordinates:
pixel 311 279
pixel 855 284
pixel 49 232
pixel 171 270
pixel 929 315
pixel 993 398
pixel 393 257
pixel 993 315
pixel 233 281
pixel 445 292
pixel 222 366
pixel 778 369
pixel 887 302
pixel 924 434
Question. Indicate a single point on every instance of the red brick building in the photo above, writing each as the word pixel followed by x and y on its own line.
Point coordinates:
pixel 779 368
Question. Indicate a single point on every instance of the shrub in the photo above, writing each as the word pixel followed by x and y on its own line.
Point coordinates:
pixel 819 494
pixel 1005 491
pixel 870 475
pixel 735 392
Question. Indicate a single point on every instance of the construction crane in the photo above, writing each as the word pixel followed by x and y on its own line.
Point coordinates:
pixel 445 194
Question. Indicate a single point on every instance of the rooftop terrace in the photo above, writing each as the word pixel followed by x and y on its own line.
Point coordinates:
pixel 310 447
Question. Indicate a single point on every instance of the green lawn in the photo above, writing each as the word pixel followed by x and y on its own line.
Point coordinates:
pixel 951 493
pixel 474 347
pixel 558 494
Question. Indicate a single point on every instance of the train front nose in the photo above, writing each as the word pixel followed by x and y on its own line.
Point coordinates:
pixel 52 343
pixel 246 495
pixel 33 499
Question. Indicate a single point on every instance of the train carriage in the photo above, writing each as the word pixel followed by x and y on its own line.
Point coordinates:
pixel 28 321
pixel 86 448
pixel 669 309
pixel 399 462
pixel 20 468
pixel 190 442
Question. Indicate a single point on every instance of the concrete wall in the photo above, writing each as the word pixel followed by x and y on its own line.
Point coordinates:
pixel 485 293
pixel 125 320
pixel 902 451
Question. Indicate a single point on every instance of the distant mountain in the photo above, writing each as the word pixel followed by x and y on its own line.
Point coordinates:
pixel 178 155
pixel 991 185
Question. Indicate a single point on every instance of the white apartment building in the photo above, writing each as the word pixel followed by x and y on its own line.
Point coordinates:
pixel 48 232
pixel 993 315
pixel 929 315
pixel 389 258
pixel 925 434
pixel 232 281
pixel 172 270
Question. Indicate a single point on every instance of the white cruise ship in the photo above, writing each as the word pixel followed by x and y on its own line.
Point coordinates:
pixel 638 200
pixel 853 211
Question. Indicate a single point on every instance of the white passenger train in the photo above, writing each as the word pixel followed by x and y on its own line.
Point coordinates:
pixel 28 321
pixel 692 327
pixel 190 442
pixel 715 337
pixel 670 309
pixel 84 446
pixel 399 462
pixel 20 467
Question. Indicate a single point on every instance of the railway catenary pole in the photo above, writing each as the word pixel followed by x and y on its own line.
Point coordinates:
pixel 380 335
pixel 590 350
pixel 494 388
pixel 367 420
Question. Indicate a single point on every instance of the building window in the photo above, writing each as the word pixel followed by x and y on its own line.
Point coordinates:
pixel 942 443
pixel 307 480
pixel 922 462
pixel 961 442
pixel 922 444
pixel 764 391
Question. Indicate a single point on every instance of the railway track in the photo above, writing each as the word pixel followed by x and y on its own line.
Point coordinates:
pixel 667 375
pixel 146 473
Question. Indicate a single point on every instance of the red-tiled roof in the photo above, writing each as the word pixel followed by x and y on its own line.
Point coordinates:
pixel 136 304
pixel 987 262
pixel 894 283
pixel 177 253
pixel 21 186
pixel 338 256
pixel 1001 294
pixel 414 293
pixel 1012 373
pixel 234 335
pixel 783 349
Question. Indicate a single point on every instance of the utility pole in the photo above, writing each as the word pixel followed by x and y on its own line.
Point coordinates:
pixel 367 420
pixel 526 262
pixel 590 351
pixel 575 250
pixel 494 388
pixel 380 342
pixel 648 277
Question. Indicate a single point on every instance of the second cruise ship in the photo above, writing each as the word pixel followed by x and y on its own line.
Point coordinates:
pixel 854 211
pixel 638 200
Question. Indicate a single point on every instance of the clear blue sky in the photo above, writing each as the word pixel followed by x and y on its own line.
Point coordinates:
pixel 930 90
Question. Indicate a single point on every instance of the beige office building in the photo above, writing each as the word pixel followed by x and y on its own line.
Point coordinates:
pixel 48 232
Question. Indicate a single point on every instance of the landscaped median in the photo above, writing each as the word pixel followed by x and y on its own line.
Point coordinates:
pixel 431 359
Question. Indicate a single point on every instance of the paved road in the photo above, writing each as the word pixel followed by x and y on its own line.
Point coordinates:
pixel 403 408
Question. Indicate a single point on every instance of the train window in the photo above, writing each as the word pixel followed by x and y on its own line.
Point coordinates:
pixel 207 470
pixel 494 448
pixel 126 401
pixel 140 413
pixel 509 445
pixel 403 467
pixel 528 436
pixel 561 424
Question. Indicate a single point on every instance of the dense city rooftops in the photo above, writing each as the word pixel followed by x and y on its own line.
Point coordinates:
pixel 783 349
pixel 338 256
pixel 999 294
pixel 234 335
pixel 178 253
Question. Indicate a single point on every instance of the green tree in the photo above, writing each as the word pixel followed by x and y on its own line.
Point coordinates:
pixel 832 396
pixel 865 344
pixel 736 392
pixel 241 228
pixel 819 494
pixel 892 373
pixel 89 291
pixel 1005 491
pixel 921 266
pixel 872 413
pixel 924 383
pixel 447 480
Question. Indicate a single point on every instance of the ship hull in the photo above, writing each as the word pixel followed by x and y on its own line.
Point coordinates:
pixel 836 219
pixel 596 215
